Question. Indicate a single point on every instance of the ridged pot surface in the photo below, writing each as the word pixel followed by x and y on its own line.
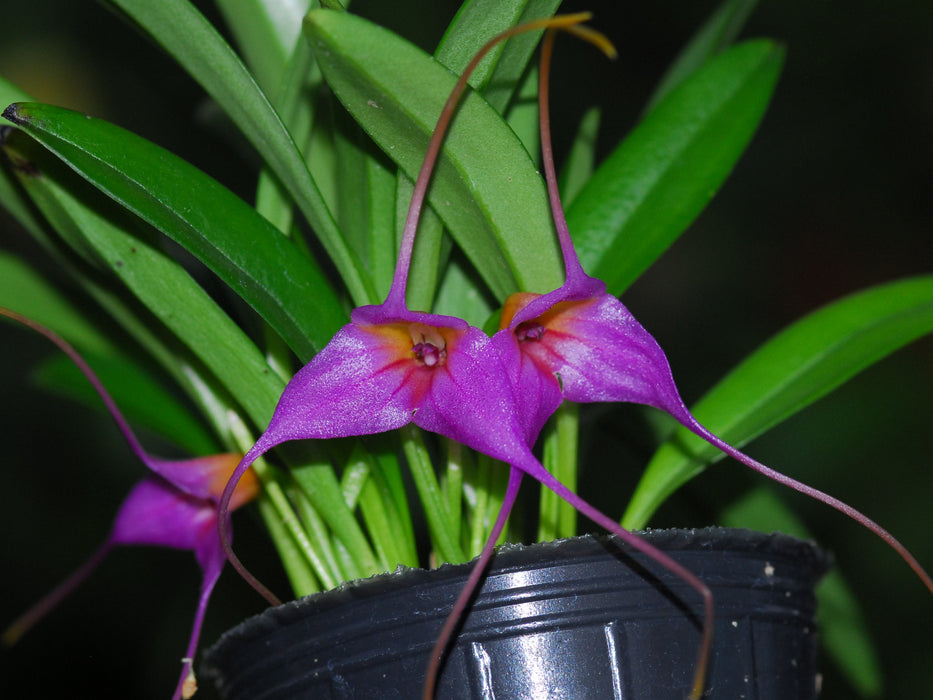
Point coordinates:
pixel 579 618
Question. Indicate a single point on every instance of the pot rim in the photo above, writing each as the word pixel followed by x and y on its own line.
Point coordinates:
pixel 514 556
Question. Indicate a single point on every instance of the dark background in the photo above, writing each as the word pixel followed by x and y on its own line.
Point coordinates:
pixel 832 196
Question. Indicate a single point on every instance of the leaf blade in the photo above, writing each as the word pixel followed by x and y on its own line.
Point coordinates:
pixel 663 174
pixel 395 92
pixel 188 37
pixel 285 287
pixel 799 365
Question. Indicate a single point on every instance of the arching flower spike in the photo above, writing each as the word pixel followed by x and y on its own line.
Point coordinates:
pixel 175 506
pixel 581 343
pixel 391 366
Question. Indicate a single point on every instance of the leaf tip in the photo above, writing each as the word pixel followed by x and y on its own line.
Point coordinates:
pixel 11 113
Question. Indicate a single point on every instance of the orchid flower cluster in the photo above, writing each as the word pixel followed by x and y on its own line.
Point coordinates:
pixel 341 508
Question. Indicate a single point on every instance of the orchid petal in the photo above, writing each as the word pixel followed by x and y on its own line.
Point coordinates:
pixel 367 380
pixel 156 513
pixel 173 507
pixel 472 401
pixel 203 477
pixel 537 388
pixel 602 353
pixel 370 379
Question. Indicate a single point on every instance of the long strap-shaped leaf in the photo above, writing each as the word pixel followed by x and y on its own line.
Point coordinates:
pixel 284 286
pixel 143 398
pixel 659 179
pixel 185 34
pixel 497 77
pixel 159 282
pixel 792 370
pixel 715 35
pixel 476 22
pixel 265 33
pixel 486 188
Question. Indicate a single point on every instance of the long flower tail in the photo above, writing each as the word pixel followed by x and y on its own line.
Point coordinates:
pixel 187 683
pixel 469 588
pixel 534 469
pixel 812 492
pixel 28 619
pixel 86 370
pixel 263 445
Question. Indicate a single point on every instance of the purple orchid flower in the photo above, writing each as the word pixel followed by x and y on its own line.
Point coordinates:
pixel 391 366
pixel 580 343
pixel 175 507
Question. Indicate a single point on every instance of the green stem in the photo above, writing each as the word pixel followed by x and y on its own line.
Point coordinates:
pixel 320 485
pixel 300 574
pixel 322 556
pixel 558 518
pixel 490 485
pixel 453 484
pixel 443 538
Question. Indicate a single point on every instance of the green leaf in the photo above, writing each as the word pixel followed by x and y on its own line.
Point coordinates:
pixel 485 188
pixel 558 518
pixel 443 537
pixel 661 176
pixel 478 21
pixel 25 291
pixel 11 197
pixel 185 34
pixel 843 628
pixel 515 54
pixel 458 295
pixel 498 76
pixel 320 485
pixel 143 400
pixel 70 322
pixel 716 34
pixel 578 167
pixel 792 370
pixel 299 79
pixel 22 290
pixel 218 228
pixel 391 535
pixel 128 251
pixel 266 32
pixel 300 573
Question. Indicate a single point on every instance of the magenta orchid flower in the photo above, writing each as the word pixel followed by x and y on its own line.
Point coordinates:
pixel 175 507
pixel 580 343
pixel 391 366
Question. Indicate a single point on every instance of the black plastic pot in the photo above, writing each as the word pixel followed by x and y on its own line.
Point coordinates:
pixel 578 618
